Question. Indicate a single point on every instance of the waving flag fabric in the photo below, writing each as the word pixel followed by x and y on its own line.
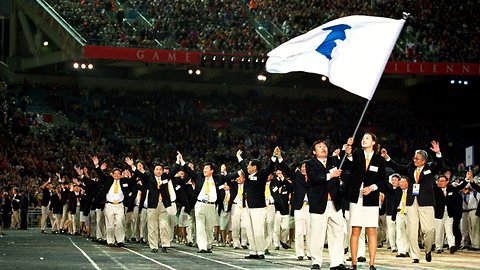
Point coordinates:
pixel 351 51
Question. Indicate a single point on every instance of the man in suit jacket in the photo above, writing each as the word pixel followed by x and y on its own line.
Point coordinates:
pixel 114 189
pixel 400 218
pixel 325 206
pixel 254 202
pixel 159 198
pixel 420 198
pixel 446 207
pixel 300 208
pixel 473 215
pixel 281 192
pixel 239 234
pixel 15 209
pixel 206 192
pixel 391 209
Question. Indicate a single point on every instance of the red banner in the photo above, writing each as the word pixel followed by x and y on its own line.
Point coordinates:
pixel 141 55
pixel 429 68
pixel 194 58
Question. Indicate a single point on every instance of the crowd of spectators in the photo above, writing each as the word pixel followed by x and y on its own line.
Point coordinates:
pixel 229 26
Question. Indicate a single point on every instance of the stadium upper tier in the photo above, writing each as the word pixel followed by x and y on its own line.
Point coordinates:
pixel 437 30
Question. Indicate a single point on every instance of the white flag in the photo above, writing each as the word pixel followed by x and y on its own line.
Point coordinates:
pixel 351 51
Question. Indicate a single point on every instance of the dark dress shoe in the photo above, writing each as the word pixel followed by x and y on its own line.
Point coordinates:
pixel 315 266
pixel 339 267
pixel 154 250
pixel 251 256
pixel 401 255
pixel 309 258
pixel 164 250
pixel 189 244
pixel 362 259
pixel 300 258
pixel 120 244
pixel 277 248
pixel 110 245
pixel 428 256
pixel 453 249
pixel 415 261
pixel 372 267
pixel 203 251
pixel 267 252
pixel 261 257
pixel 244 247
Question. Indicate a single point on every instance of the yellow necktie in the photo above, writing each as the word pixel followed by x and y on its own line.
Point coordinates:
pixel 329 197
pixel 207 187
pixel 116 187
pixel 267 193
pixel 417 175
pixel 404 202
pixel 367 162
pixel 159 183
pixel 240 196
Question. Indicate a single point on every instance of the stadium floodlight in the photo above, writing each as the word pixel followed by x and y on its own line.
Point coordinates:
pixel 45 43
pixel 452 82
pixel 465 82
pixel 230 63
pixel 261 78
pixel 198 72
pixel 324 78
pixel 203 61
pixel 76 65
pixel 460 81
pixel 190 71
pixel 90 66
pixel 83 66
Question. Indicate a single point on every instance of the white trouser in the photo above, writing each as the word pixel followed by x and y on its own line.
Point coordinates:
pixel 92 220
pixel 136 223
pixel 330 224
pixel 45 214
pixel 391 233
pixel 128 224
pixel 401 231
pixel 191 228
pixel 100 230
pixel 425 216
pixel 302 228
pixel 158 231
pixel 114 221
pixel 281 228
pixel 64 215
pixel 239 233
pixel 470 225
pixel 255 224
pixel 444 227
pixel 56 223
pixel 205 222
pixel 269 225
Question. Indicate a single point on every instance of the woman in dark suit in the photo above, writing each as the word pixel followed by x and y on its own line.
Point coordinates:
pixel 366 169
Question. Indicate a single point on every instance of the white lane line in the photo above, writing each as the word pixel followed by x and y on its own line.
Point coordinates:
pixel 109 255
pixel 208 259
pixel 150 259
pixel 85 254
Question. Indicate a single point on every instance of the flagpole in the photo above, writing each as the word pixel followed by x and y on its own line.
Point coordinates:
pixel 356 129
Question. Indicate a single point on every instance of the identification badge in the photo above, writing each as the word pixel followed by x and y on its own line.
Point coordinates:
pixel 125 185
pixel 373 168
pixel 284 192
pixel 275 189
pixel 450 194
pixel 177 187
pixel 253 178
pixel 416 189
pixel 164 181
pixel 427 172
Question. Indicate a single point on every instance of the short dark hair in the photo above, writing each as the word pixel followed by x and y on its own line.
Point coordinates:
pixel 155 164
pixel 257 163
pixel 318 142
pixel 210 164
pixel 116 169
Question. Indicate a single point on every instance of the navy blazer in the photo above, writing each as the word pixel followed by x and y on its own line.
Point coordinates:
pixel 281 191
pixel 321 187
pixel 254 187
pixel 374 174
pixel 454 208
pixel 150 183
pixel 426 181
pixel 300 188
pixel 199 180
pixel 107 182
